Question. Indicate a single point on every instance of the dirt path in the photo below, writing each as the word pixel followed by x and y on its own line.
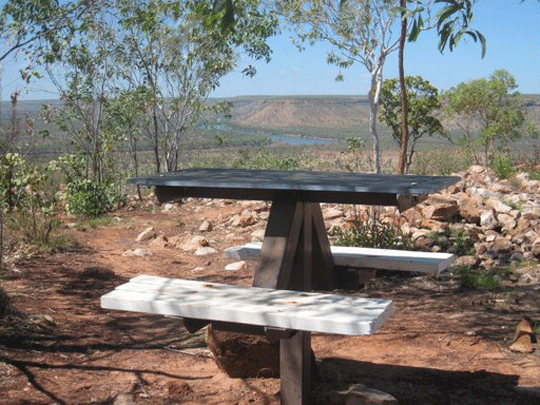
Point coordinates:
pixel 441 346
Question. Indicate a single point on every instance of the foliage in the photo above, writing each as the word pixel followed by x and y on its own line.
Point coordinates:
pixel 455 241
pixel 40 27
pixel 375 234
pixel 453 23
pixel 358 31
pixel 439 162
pixel 178 55
pixel 503 167
pixel 423 101
pixel 266 160
pixel 90 198
pixel 472 278
pixel 489 112
pixel 28 198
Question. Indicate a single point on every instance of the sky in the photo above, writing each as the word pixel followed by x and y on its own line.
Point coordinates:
pixel 511 28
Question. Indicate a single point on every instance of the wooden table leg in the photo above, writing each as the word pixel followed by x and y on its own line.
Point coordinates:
pixel 295 253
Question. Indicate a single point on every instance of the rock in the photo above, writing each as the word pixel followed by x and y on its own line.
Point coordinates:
pixel 441 212
pixel 488 220
pixel 147 234
pixel 332 213
pixel 195 243
pixel 236 266
pixel 160 241
pixel 535 248
pixel 206 226
pixel 257 235
pixel 498 206
pixel 124 399
pixel 137 253
pixel 467 261
pixel 359 394
pixel 168 207
pixel 507 221
pixel 501 245
pixel 524 327
pixel 523 344
pixel 243 356
pixel 245 219
pixel 207 250
pixel 470 212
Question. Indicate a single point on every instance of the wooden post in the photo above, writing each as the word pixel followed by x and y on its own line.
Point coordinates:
pixel 295 369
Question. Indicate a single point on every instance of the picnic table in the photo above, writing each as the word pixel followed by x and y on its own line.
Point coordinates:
pixel 295 253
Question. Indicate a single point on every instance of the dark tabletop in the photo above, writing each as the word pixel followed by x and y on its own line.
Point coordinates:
pixel 313 186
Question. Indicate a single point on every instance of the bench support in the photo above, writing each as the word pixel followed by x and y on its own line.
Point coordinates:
pixel 295 368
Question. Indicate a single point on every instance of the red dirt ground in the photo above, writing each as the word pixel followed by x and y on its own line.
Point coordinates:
pixel 442 345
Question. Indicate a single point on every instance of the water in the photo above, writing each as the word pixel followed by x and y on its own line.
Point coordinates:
pixel 298 140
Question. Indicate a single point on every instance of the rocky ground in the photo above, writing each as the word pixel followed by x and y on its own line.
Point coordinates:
pixel 444 344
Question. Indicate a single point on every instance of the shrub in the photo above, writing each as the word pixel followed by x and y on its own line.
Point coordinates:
pixel 502 166
pixel 375 234
pixel 90 198
pixel 478 279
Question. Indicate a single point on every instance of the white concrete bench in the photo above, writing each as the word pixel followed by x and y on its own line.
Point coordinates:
pixel 290 315
pixel 366 258
pixel 304 311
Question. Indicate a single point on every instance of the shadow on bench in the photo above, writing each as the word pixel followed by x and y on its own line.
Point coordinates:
pixel 289 316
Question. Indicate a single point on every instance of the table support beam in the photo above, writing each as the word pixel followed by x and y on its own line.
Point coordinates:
pixel 295 253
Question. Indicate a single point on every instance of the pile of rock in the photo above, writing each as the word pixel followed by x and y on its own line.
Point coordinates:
pixel 500 219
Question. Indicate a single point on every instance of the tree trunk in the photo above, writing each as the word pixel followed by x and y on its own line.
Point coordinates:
pixel 402 166
pixel 374 101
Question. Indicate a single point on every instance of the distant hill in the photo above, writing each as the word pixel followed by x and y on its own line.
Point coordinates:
pixel 323 112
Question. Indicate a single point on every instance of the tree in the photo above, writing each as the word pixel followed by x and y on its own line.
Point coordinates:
pixel 489 112
pixel 173 50
pixel 168 53
pixel 360 31
pixel 33 24
pixel 423 102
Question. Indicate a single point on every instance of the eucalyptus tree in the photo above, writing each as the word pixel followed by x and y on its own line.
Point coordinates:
pixel 361 32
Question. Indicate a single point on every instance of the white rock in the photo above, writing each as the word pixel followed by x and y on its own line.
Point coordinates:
pixel 203 251
pixel 359 394
pixel 236 266
pixel 195 243
pixel 206 226
pixel 147 234
pixel 488 220
pixel 137 252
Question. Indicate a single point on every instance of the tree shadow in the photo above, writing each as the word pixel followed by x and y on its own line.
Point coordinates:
pixel 413 385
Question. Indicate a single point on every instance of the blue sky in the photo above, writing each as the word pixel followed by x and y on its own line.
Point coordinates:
pixel 512 30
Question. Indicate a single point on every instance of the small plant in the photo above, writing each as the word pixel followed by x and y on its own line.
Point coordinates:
pixel 374 234
pixel 479 279
pixel 453 241
pixel 502 166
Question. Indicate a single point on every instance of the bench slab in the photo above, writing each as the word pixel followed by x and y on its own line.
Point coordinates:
pixel 304 311
pixel 366 258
